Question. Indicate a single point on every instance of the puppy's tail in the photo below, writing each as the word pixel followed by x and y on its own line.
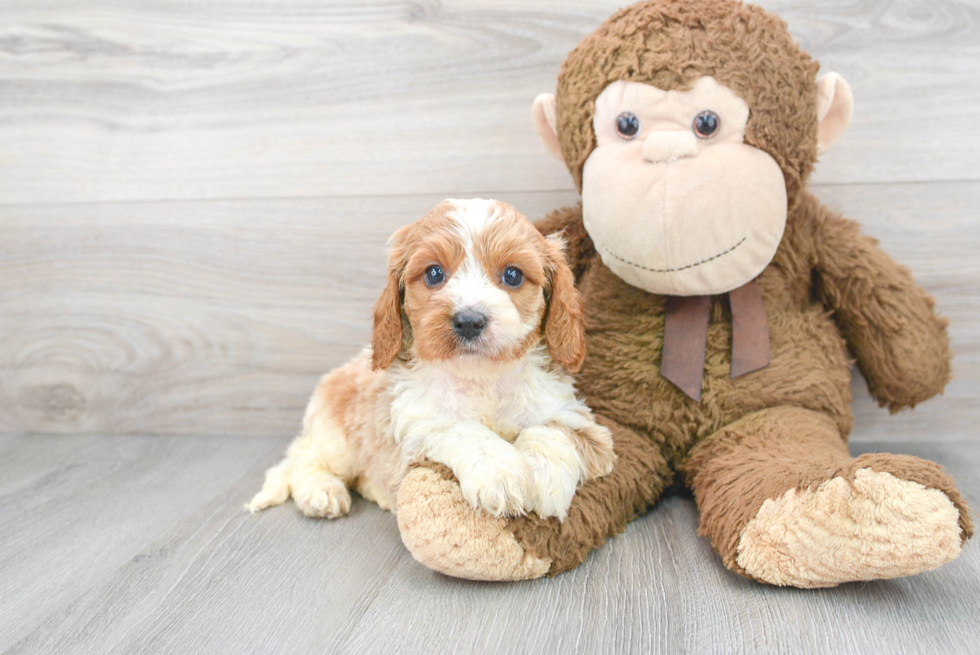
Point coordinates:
pixel 275 489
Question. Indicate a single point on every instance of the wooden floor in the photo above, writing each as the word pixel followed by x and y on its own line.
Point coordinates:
pixel 194 198
pixel 131 544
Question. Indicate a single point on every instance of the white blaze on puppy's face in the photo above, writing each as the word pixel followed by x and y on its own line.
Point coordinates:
pixel 478 286
pixel 461 299
pixel 674 200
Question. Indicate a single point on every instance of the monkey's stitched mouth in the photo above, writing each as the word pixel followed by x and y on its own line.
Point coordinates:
pixel 669 270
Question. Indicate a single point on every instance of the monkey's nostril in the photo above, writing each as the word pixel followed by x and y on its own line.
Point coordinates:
pixel 469 324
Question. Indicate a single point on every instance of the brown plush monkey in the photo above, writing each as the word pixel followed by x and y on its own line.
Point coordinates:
pixel 720 300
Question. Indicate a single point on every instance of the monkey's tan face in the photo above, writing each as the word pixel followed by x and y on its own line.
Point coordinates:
pixel 674 200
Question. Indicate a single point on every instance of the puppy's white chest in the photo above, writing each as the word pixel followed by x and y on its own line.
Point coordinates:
pixel 499 404
pixel 504 399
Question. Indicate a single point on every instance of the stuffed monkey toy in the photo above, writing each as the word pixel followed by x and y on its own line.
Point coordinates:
pixel 721 300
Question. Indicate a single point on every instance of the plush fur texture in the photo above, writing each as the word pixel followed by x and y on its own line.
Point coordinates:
pixel 777 435
pixel 788 541
pixel 494 406
pixel 670 44
pixel 447 537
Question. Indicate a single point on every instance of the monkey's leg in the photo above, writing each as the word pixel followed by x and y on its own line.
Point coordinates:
pixel 783 502
pixel 443 532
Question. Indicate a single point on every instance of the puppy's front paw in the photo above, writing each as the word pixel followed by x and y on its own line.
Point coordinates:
pixel 321 496
pixel 556 470
pixel 596 450
pixel 498 483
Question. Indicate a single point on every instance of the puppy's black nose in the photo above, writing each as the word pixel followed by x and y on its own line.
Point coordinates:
pixel 469 324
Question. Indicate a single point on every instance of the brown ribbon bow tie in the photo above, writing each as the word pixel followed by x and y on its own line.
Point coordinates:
pixel 686 333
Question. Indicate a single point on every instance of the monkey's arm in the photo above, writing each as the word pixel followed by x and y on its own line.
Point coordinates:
pixel 568 220
pixel 889 321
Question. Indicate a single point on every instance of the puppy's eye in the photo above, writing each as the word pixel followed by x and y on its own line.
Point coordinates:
pixel 513 277
pixel 706 124
pixel 628 125
pixel 434 275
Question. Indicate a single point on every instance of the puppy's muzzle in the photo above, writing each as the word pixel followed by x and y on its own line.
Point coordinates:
pixel 469 324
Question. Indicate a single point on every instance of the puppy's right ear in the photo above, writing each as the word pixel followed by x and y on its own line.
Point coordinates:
pixel 387 338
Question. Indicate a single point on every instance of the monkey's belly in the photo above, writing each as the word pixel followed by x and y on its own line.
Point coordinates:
pixel 621 378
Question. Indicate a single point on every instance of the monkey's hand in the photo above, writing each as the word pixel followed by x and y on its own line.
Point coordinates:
pixel 889 321
pixel 568 221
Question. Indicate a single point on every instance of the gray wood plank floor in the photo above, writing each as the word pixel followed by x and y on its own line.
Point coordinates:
pixel 127 544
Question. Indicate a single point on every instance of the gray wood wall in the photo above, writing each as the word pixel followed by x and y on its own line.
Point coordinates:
pixel 194 195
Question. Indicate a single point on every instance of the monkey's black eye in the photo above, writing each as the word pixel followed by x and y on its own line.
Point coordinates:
pixel 513 276
pixel 706 124
pixel 628 125
pixel 434 275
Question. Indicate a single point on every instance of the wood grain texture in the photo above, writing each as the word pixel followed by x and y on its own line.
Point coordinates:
pixel 121 100
pixel 186 317
pixel 137 298
pixel 140 544
pixel 218 317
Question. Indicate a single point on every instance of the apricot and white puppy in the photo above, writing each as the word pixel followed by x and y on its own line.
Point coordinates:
pixel 473 335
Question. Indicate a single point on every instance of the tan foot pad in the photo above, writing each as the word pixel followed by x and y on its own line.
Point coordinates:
pixel 445 533
pixel 877 526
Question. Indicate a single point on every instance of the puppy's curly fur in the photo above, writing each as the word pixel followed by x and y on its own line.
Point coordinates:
pixel 492 401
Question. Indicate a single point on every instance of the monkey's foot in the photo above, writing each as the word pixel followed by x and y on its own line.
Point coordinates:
pixel 445 533
pixel 866 525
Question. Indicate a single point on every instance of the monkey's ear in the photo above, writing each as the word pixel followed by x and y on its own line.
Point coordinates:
pixel 544 114
pixel 835 104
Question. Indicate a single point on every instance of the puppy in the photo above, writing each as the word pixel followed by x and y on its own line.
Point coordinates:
pixel 473 335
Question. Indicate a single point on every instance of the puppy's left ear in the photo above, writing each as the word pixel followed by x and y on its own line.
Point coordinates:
pixel 386 340
pixel 564 329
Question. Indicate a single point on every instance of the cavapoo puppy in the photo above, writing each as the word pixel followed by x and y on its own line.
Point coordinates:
pixel 473 335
